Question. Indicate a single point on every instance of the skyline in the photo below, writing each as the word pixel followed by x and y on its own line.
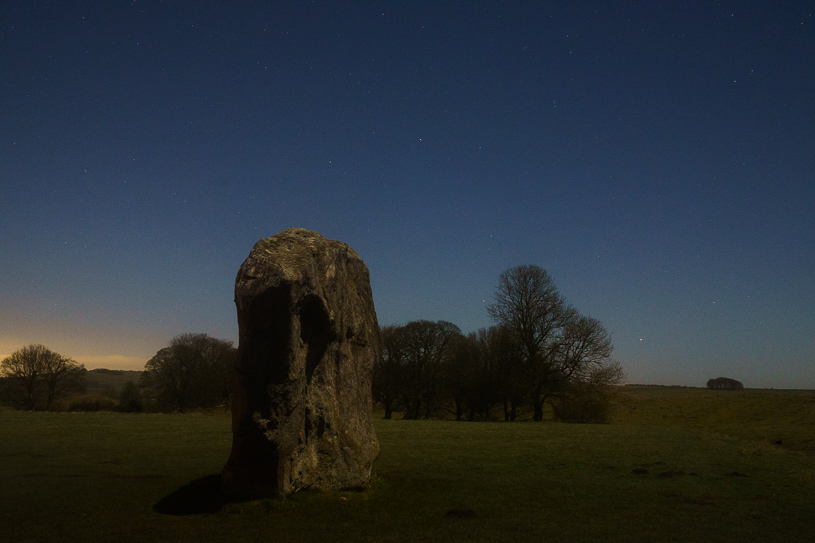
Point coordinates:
pixel 657 159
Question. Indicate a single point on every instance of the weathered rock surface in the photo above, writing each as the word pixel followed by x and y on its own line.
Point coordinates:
pixel 309 338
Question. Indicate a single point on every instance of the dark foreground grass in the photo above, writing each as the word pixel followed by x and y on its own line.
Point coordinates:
pixel 101 476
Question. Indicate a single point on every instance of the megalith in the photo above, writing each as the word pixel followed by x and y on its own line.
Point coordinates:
pixel 308 342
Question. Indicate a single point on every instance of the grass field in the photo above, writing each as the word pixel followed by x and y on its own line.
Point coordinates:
pixel 784 418
pixel 101 381
pixel 98 476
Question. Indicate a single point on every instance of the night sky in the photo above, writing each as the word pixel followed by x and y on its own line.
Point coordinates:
pixel 657 158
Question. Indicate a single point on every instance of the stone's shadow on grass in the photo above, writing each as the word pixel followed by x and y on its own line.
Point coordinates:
pixel 202 496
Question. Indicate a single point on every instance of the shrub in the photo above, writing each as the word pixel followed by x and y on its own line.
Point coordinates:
pixel 593 407
pixel 130 399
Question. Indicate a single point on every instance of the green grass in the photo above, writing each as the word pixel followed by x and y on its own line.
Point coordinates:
pixel 97 476
pixel 780 417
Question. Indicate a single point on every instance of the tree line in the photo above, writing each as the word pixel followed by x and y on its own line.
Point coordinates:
pixel 540 351
pixel 194 371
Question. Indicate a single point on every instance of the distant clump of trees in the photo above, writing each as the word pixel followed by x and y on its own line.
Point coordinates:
pixel 723 383
pixel 34 377
pixel 194 371
pixel 105 371
pixel 540 351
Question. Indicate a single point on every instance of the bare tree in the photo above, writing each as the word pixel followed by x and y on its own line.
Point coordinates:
pixel 36 376
pixel 482 373
pixel 589 399
pixel 510 375
pixel 560 350
pixel 585 348
pixel 62 377
pixel 389 372
pixel 462 374
pixel 529 306
pixel 22 375
pixel 417 352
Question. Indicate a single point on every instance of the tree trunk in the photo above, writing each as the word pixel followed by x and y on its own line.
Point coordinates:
pixel 412 408
pixel 538 405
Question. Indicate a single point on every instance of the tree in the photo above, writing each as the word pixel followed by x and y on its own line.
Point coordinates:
pixel 510 376
pixel 425 345
pixel 34 377
pixel 62 377
pixel 130 399
pixel 193 371
pixel 389 375
pixel 560 351
pixel 529 306
pixel 477 373
pixel 583 353
pixel 462 374
pixel 589 399
pixel 411 371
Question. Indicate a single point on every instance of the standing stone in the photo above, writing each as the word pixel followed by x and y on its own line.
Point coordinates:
pixel 309 338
